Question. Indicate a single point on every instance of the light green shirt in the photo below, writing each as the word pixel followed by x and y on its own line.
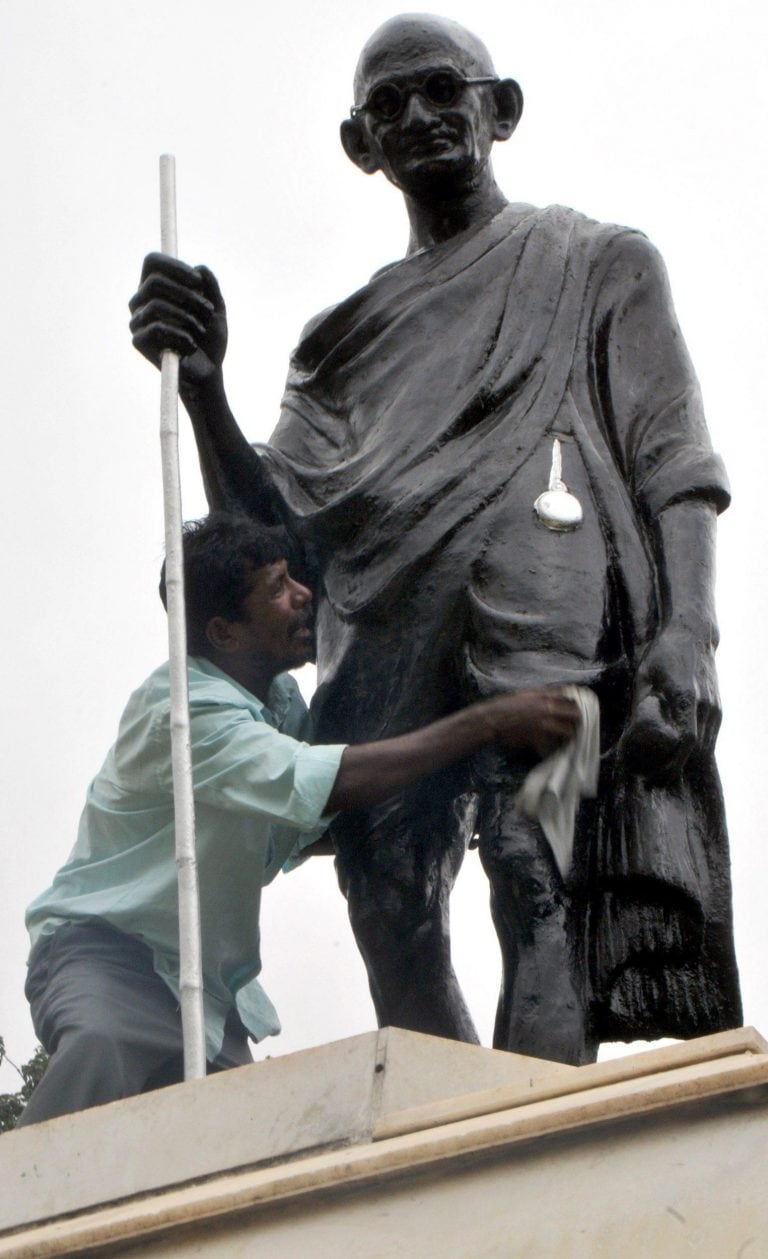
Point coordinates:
pixel 260 792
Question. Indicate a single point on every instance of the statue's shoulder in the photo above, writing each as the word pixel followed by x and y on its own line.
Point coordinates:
pixel 315 321
pixel 613 240
pixel 613 259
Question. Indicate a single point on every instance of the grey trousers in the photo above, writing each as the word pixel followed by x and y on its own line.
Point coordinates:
pixel 110 1024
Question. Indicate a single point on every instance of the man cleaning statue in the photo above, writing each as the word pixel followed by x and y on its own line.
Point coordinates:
pixel 494 459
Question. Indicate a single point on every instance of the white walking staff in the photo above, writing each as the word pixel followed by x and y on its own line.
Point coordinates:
pixel 190 962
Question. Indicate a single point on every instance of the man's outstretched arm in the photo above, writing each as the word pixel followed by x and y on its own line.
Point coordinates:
pixel 180 308
pixel 539 720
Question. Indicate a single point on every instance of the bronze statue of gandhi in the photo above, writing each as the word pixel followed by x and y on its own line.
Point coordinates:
pixel 422 421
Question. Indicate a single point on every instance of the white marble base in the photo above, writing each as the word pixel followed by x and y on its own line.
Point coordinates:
pixel 397 1144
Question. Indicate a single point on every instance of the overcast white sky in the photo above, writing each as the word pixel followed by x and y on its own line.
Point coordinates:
pixel 652 115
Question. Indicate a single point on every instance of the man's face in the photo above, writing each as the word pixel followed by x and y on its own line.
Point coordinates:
pixel 429 148
pixel 276 621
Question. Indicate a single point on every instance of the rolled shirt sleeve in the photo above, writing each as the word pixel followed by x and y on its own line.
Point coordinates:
pixel 243 765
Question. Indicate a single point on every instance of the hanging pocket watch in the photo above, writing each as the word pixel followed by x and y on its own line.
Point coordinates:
pixel 557 508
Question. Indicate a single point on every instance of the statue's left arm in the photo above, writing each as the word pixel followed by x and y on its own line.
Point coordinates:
pixel 678 485
pixel 676 706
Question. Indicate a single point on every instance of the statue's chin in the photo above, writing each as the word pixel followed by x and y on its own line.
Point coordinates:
pixel 442 178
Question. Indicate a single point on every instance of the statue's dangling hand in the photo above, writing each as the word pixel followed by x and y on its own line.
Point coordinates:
pixel 676 707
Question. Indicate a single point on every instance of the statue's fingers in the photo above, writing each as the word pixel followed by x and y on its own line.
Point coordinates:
pixel 161 314
pixel 174 268
pixel 652 742
pixel 679 708
pixel 158 287
pixel 153 339
pixel 684 724
pixel 708 724
pixel 211 289
pixel 684 750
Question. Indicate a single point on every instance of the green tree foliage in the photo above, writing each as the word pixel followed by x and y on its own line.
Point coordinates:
pixel 12 1104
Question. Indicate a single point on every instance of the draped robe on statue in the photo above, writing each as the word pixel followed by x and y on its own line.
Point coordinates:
pixel 416 433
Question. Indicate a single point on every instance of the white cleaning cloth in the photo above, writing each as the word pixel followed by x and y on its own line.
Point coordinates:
pixel 552 790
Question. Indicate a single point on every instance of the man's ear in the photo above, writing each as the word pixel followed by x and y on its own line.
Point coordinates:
pixel 354 140
pixel 222 634
pixel 508 100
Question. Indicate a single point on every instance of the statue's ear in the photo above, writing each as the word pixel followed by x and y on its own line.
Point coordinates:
pixel 354 139
pixel 508 100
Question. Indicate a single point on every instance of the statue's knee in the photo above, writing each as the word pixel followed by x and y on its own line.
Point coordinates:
pixel 393 919
pixel 393 907
pixel 522 874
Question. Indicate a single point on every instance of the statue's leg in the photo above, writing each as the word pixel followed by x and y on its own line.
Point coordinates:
pixel 543 1005
pixel 397 871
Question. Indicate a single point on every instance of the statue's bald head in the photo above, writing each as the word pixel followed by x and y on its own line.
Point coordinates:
pixel 432 135
pixel 411 38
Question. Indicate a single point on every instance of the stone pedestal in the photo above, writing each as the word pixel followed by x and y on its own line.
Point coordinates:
pixel 398 1144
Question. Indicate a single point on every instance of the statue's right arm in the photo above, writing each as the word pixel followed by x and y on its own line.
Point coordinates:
pixel 180 308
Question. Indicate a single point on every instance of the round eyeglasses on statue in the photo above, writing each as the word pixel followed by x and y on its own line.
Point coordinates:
pixel 386 101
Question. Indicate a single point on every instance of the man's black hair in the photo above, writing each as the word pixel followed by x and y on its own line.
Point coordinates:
pixel 220 552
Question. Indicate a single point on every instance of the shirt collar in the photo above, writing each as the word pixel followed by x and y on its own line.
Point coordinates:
pixel 279 699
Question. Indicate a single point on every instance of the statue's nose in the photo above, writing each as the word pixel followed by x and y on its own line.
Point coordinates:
pixel 417 111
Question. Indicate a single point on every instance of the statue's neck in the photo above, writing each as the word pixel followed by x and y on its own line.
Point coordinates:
pixel 434 220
